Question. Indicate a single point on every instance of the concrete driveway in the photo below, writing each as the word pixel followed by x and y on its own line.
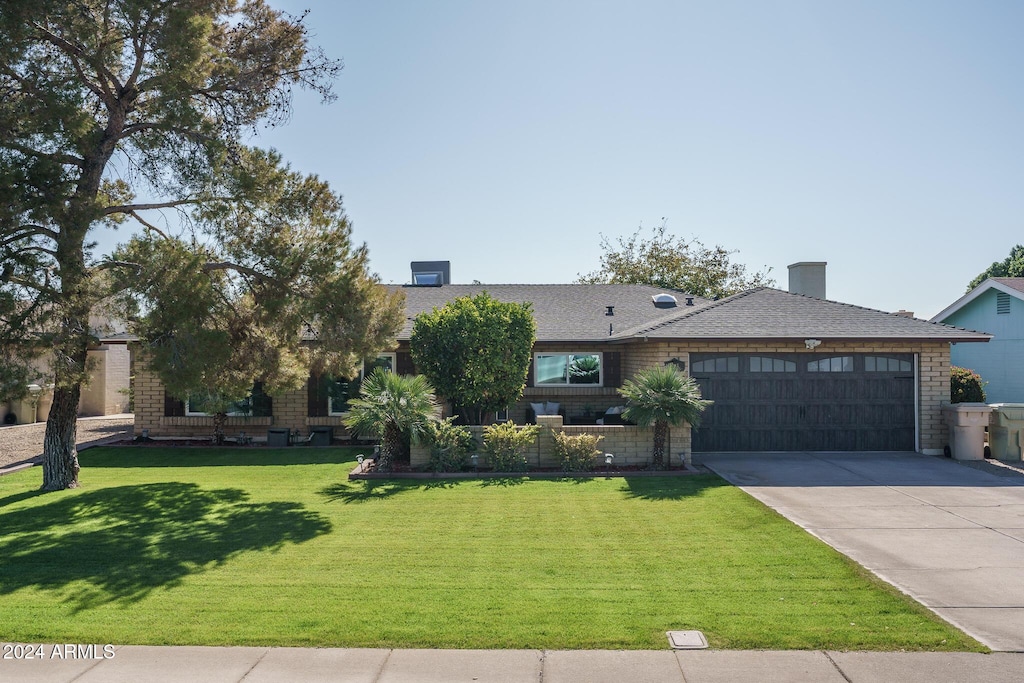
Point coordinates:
pixel 950 536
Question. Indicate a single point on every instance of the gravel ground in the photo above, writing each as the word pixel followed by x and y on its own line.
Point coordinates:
pixel 25 442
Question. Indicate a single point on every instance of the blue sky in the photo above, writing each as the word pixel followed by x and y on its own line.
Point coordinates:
pixel 882 137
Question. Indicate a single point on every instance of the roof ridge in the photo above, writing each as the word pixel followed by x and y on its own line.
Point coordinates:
pixel 878 310
pixel 672 319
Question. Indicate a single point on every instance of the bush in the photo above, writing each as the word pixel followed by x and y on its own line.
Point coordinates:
pixel 506 444
pixel 965 386
pixel 449 445
pixel 576 452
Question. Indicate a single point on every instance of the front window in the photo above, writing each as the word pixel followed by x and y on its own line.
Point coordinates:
pixel 567 369
pixel 341 391
pixel 205 404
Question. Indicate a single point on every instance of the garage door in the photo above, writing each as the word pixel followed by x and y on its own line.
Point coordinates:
pixel 805 402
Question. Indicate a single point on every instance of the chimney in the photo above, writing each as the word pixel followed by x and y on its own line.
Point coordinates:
pixel 808 278
pixel 431 273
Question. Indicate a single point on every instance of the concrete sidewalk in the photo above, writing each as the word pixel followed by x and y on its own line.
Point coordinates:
pixel 134 664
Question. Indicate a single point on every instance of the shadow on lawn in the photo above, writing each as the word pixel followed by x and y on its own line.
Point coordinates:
pixel 379 489
pixel 668 488
pixel 120 543
pixel 229 456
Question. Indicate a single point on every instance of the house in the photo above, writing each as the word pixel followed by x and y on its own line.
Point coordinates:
pixel 107 391
pixel 787 370
pixel 996 306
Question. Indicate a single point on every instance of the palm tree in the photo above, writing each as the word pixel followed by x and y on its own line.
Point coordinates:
pixel 662 396
pixel 392 406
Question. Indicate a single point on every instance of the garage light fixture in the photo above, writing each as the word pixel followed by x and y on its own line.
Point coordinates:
pixel 812 344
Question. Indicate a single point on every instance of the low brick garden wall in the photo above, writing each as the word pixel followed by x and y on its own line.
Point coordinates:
pixel 630 445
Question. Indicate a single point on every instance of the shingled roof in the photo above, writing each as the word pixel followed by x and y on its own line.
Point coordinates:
pixel 563 312
pixel 766 313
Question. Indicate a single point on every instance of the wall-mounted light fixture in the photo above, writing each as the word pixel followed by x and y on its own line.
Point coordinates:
pixel 680 364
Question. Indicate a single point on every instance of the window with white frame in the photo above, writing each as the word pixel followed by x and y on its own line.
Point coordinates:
pixel 567 369
pixel 341 391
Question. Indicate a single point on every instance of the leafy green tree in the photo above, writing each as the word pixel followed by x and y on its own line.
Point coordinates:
pixel 393 407
pixel 112 110
pixel 662 396
pixel 476 352
pixel 1011 266
pixel 665 260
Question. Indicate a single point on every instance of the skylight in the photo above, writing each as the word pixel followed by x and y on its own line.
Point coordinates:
pixel 664 300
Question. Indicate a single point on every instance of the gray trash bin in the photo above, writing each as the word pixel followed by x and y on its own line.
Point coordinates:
pixel 322 436
pixel 278 437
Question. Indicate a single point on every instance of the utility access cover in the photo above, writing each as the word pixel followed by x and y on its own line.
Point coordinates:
pixel 687 640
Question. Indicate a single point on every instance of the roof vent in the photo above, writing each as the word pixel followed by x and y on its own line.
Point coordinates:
pixel 664 301
pixel 689 301
pixel 431 273
pixel 610 311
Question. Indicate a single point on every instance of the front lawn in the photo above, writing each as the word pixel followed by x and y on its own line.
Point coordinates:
pixel 277 547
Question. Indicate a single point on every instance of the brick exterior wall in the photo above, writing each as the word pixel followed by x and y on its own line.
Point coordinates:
pixel 290 410
pixel 109 376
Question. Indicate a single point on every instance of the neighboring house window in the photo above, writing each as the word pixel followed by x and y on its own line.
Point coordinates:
pixel 724 364
pixel 883 364
pixel 834 364
pixel 256 404
pixel 341 391
pixel 1002 303
pixel 759 364
pixel 567 369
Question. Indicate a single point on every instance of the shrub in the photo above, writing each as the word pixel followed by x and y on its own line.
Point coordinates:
pixel 965 386
pixel 506 444
pixel 576 452
pixel 449 445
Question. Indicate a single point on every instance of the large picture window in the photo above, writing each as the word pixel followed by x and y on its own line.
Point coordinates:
pixel 341 391
pixel 567 369
pixel 256 404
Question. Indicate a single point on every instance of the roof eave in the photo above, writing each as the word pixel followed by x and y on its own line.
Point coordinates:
pixel 802 337
pixel 974 294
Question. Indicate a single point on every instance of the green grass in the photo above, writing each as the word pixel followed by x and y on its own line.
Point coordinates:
pixel 229 547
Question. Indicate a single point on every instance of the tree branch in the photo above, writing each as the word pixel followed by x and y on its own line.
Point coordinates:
pixel 69 159
pixel 108 265
pixel 73 51
pixel 149 226
pixel 133 208
pixel 28 230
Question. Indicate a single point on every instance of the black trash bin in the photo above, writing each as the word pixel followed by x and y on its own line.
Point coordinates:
pixel 321 436
pixel 278 437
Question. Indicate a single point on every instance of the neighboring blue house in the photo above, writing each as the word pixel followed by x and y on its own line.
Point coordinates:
pixel 995 306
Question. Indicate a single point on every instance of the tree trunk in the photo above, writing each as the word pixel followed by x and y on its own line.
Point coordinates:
pixel 60 457
pixel 390 448
pixel 660 437
pixel 219 419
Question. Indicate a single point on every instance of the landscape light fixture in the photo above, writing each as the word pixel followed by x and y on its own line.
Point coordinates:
pixel 359 459
pixel 608 457
pixel 476 461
